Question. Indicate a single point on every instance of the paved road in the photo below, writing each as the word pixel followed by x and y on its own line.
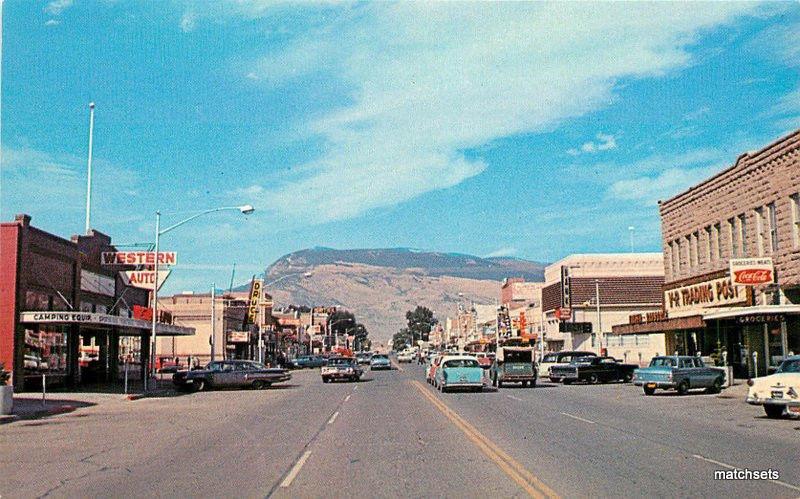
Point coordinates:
pixel 391 436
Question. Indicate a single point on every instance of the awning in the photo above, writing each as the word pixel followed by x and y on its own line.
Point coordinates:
pixel 744 311
pixel 104 320
pixel 675 324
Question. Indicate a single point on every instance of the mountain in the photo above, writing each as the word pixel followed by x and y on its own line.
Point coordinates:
pixel 380 285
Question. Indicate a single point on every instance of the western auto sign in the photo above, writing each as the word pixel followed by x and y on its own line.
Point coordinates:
pixel 563 314
pixel 752 271
pixel 144 278
pixel 138 258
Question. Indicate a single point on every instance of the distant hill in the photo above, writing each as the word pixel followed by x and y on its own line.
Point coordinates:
pixel 379 285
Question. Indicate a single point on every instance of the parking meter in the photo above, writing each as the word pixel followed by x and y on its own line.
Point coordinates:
pixel 755 363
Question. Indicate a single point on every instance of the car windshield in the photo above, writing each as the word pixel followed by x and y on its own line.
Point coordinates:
pixel 663 362
pixel 461 363
pixel 380 357
pixel 340 362
pixel 523 356
pixel 583 360
pixel 790 366
pixel 550 358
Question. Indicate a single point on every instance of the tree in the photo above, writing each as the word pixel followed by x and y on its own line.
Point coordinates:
pixel 340 321
pixel 420 322
pixel 401 339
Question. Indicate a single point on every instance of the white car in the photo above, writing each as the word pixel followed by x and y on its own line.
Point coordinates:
pixel 406 356
pixel 779 393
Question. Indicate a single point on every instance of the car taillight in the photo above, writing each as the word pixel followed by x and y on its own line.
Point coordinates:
pixel 749 382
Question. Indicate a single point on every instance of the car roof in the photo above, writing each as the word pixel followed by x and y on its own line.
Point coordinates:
pixel 458 357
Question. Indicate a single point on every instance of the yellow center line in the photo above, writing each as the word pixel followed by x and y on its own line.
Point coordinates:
pixel 524 478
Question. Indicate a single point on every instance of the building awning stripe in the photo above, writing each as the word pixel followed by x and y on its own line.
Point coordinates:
pixel 103 320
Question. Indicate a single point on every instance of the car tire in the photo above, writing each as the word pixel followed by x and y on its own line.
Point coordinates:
pixel 773 411
pixel 627 378
pixel 524 384
pixel 566 382
pixel 199 385
pixel 683 388
pixel 649 391
pixel 532 384
pixel 555 380
pixel 259 385
pixel 593 379
pixel 326 380
pixel 494 381
pixel 716 387
pixel 499 384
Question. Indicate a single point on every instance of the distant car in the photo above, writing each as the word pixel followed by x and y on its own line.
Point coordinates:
pixel 459 372
pixel 406 356
pixel 779 393
pixel 678 372
pixel 341 368
pixel 484 360
pixel 308 361
pixel 560 358
pixel 593 370
pixel 380 361
pixel 363 357
pixel 230 374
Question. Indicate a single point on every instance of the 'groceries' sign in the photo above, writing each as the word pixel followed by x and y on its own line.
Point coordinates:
pixel 752 271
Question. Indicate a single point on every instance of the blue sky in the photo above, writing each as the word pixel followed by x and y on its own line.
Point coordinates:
pixel 528 130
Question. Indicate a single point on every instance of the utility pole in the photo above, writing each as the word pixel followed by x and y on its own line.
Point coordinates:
pixel 89 171
pixel 599 317
pixel 213 320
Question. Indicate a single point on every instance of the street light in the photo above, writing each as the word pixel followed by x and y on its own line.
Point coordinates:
pixel 244 209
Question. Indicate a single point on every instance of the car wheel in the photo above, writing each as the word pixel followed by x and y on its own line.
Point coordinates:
pixel 773 411
pixel 554 380
pixel 716 387
pixel 199 385
pixel 567 382
pixel 627 378
pixel 258 385
pixel 593 379
pixel 649 391
pixel 326 380
pixel 683 388
pixel 532 384
pixel 499 384
pixel 524 384
pixel 494 381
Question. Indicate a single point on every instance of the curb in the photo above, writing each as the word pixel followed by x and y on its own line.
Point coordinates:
pixel 134 396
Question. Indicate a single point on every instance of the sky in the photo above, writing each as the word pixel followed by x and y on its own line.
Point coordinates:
pixel 530 130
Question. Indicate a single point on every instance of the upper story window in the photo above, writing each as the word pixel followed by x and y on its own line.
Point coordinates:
pixel 676 257
pixel 741 227
pixel 733 239
pixel 773 227
pixel 795 199
pixel 708 249
pixel 759 231
pixel 717 241
pixel 693 250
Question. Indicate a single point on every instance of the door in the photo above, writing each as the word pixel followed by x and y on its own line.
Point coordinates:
pixel 226 376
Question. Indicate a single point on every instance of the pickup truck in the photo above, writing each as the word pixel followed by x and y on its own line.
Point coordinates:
pixel 593 370
pixel 678 372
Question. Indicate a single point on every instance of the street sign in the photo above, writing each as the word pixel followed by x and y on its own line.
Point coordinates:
pixel 752 271
pixel 575 327
pixel 138 258
pixel 563 313
pixel 144 278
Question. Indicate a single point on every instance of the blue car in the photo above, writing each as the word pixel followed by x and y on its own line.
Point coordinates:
pixel 379 361
pixel 459 372
pixel 680 373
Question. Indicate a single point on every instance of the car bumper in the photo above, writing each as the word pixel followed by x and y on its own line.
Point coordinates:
pixel 381 366
pixel 655 384
pixel 771 401
pixel 517 377
pixel 462 384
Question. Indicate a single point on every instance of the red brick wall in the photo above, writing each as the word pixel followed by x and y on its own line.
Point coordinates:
pixel 757 179
pixel 9 240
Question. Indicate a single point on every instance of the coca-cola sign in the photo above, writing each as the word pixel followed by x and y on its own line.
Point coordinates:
pixel 752 271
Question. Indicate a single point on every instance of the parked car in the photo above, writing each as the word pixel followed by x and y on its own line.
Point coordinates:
pixel 678 372
pixel 363 357
pixel 230 374
pixel 311 361
pixel 380 361
pixel 779 393
pixel 513 365
pixel 593 370
pixel 345 368
pixel 459 372
pixel 405 356
pixel 560 358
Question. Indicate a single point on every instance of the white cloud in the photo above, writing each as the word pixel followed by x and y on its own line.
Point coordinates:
pixel 605 142
pixel 428 80
pixel 188 21
pixel 52 22
pixel 505 251
pixel 56 7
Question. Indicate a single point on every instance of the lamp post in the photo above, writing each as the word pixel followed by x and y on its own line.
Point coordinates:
pixel 599 316
pixel 244 209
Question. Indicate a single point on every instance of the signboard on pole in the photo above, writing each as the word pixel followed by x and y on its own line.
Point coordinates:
pixel 752 271
pixel 255 301
pixel 144 278
pixel 563 313
pixel 138 258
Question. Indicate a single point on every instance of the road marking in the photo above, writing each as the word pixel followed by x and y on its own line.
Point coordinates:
pixel 514 398
pixel 397 366
pixel 347 398
pixel 333 418
pixel 524 478
pixel 295 470
pixel 731 467
pixel 578 418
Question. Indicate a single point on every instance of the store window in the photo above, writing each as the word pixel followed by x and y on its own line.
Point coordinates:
pixel 773 227
pixel 46 351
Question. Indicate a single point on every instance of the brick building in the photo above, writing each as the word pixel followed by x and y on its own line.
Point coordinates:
pixel 750 210
pixel 66 316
